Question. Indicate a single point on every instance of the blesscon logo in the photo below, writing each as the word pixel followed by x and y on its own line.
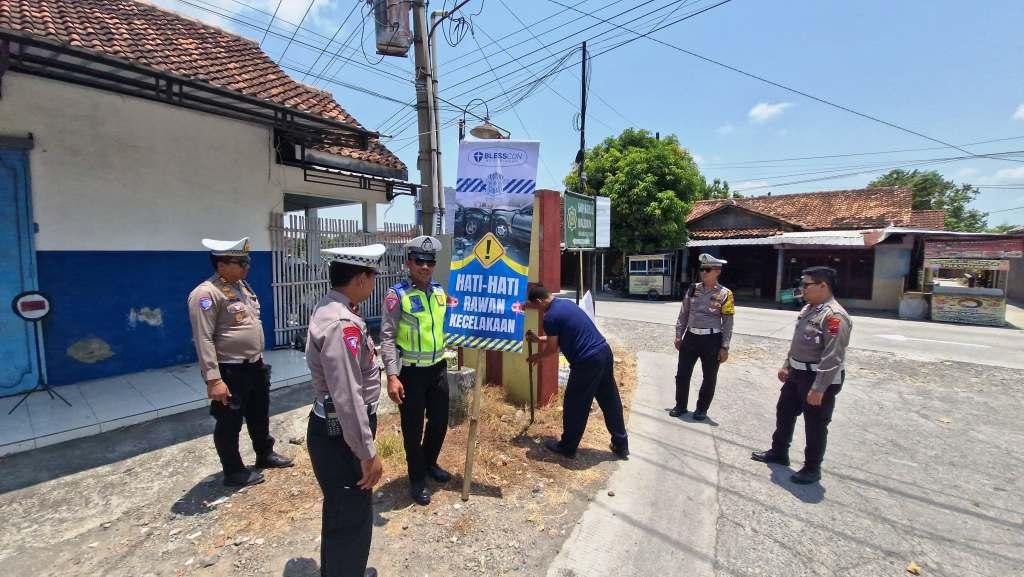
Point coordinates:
pixel 499 156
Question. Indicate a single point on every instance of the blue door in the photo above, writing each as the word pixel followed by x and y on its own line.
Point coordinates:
pixel 17 274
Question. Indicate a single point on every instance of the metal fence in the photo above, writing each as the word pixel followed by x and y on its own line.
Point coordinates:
pixel 300 276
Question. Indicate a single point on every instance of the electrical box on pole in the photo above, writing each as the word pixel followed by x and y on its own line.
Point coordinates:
pixel 394 34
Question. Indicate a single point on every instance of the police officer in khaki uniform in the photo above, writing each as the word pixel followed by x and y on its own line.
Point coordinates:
pixel 228 335
pixel 703 331
pixel 812 375
pixel 345 375
pixel 412 345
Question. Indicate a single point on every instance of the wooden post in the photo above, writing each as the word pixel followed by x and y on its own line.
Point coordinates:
pixel 474 423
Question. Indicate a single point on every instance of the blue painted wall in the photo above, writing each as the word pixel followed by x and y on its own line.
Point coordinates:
pixel 93 294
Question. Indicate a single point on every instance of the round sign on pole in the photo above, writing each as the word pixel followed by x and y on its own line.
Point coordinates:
pixel 32 306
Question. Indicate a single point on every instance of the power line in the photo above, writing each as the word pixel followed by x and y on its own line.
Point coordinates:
pixel 782 86
pixel 383 73
pixel 1006 210
pixel 861 172
pixel 512 106
pixel 573 65
pixel 331 41
pixel 271 23
pixel 405 119
pixel 297 27
pixel 538 40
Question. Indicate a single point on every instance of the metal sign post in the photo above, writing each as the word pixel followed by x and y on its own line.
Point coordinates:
pixel 33 307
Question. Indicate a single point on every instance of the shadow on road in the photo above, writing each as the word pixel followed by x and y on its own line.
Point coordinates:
pixel 301 567
pixel 48 463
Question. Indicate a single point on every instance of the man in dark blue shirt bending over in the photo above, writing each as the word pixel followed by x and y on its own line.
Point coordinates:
pixel 590 371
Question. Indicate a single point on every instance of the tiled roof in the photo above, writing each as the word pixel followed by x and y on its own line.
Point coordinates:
pixel 930 219
pixel 834 209
pixel 714 233
pixel 162 40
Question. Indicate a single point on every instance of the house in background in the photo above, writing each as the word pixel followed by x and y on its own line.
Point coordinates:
pixel 127 134
pixel 870 236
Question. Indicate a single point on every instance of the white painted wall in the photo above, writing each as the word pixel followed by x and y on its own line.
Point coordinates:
pixel 892 265
pixel 112 172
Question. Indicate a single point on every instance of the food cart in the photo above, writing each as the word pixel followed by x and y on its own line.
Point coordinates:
pixel 968 279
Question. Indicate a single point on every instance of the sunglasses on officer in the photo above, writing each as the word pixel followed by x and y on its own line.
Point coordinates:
pixel 707 268
pixel 242 261
pixel 424 261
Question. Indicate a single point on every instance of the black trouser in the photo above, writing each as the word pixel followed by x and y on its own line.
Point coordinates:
pixel 426 391
pixel 589 379
pixel 347 516
pixel 250 401
pixel 705 348
pixel 793 402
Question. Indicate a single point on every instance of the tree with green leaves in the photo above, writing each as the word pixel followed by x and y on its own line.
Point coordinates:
pixel 933 192
pixel 1002 228
pixel 652 184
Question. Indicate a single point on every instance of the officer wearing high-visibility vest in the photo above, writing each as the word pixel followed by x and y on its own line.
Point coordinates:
pixel 412 347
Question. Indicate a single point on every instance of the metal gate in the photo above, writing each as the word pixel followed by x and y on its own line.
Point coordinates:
pixel 299 278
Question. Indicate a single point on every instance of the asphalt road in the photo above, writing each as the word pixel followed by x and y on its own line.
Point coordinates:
pixel 922 467
pixel 920 340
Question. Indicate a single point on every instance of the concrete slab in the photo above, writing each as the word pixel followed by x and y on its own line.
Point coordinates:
pixel 17 426
pixel 52 416
pixel 650 527
pixel 162 389
pixel 113 398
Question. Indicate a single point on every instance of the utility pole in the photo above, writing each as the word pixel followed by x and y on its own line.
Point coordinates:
pixel 427 160
pixel 580 156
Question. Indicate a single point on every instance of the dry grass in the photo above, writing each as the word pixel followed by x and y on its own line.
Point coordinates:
pixel 509 459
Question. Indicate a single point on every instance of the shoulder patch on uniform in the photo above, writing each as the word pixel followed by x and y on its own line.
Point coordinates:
pixel 834 324
pixel 205 303
pixel 728 307
pixel 351 335
pixel 391 300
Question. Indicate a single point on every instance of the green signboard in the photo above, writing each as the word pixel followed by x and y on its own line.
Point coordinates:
pixel 580 221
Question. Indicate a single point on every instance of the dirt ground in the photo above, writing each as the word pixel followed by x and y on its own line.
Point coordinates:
pixel 145 501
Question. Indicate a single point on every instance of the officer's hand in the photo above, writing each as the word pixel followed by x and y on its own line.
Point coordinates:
pixel 723 355
pixel 783 374
pixel 373 470
pixel 218 391
pixel 679 343
pixel 814 398
pixel 395 389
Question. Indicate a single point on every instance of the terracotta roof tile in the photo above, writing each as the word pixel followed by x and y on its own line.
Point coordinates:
pixel 930 219
pixel 163 40
pixel 834 209
pixel 715 233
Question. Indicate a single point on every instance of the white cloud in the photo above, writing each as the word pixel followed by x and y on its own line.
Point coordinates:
pixel 1004 176
pixel 759 185
pixel 698 159
pixel 967 173
pixel 1019 114
pixel 725 129
pixel 763 111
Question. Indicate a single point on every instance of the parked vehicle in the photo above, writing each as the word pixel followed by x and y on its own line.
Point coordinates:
pixel 654 275
pixel 513 225
pixel 471 222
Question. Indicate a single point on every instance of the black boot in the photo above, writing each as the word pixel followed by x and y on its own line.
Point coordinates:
pixel 556 447
pixel 243 478
pixel 807 475
pixel 677 411
pixel 273 460
pixel 420 493
pixel 438 474
pixel 770 456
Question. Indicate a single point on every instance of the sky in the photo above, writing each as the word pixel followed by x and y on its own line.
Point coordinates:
pixel 947 70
